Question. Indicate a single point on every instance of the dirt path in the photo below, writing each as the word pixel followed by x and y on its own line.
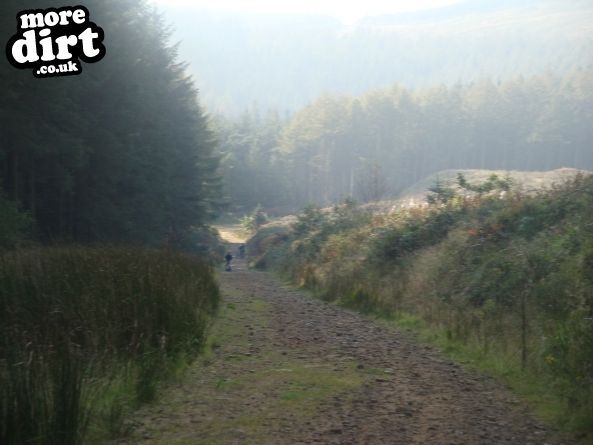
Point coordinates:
pixel 283 368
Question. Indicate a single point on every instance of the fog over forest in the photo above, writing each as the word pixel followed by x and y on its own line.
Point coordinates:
pixel 312 109
pixel 273 61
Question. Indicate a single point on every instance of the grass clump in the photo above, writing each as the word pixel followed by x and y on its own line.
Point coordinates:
pixel 87 333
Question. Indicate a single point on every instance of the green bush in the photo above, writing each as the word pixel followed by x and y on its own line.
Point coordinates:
pixel 205 242
pixel 252 222
pixel 393 243
pixel 569 357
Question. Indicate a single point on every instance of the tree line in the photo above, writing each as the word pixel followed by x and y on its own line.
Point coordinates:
pixel 121 153
pixel 375 145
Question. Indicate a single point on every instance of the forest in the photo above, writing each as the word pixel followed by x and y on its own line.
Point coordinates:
pixel 362 310
pixel 376 145
pixel 120 154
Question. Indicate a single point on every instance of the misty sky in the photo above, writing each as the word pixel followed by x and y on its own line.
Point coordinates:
pixel 284 54
pixel 347 12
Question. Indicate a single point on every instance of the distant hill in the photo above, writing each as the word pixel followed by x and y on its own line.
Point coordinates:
pixel 526 181
pixel 284 62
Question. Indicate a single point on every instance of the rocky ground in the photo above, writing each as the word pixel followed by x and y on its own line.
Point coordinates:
pixel 284 368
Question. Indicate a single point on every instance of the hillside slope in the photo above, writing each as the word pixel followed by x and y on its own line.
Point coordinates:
pixel 287 61
pixel 527 182
pixel 524 181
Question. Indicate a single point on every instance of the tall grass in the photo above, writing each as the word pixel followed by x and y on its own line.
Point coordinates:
pixel 74 322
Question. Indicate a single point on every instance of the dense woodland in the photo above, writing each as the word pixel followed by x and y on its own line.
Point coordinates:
pixel 122 153
pixel 373 146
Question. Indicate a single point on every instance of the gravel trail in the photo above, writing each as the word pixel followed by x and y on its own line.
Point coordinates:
pixel 289 369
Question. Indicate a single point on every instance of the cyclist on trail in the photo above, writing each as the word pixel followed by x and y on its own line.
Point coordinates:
pixel 228 258
pixel 242 251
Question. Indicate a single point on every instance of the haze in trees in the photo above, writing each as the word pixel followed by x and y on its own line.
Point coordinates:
pixel 285 61
pixel 376 145
pixel 122 153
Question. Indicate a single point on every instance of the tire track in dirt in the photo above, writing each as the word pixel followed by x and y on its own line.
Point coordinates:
pixel 393 390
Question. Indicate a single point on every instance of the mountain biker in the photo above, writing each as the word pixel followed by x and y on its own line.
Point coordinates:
pixel 228 258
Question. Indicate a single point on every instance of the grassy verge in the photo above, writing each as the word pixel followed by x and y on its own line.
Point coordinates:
pixel 549 405
pixel 503 281
pixel 88 333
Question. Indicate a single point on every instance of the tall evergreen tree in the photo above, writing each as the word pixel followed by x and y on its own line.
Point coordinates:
pixel 121 153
